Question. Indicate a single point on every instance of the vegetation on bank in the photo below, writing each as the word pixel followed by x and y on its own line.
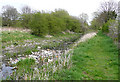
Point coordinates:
pixel 42 23
pixel 96 59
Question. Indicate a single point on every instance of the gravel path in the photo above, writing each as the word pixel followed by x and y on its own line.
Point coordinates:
pixel 85 37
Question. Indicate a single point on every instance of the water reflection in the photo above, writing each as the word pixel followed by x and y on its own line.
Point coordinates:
pixel 5 72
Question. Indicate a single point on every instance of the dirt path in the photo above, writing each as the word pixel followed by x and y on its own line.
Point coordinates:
pixel 85 37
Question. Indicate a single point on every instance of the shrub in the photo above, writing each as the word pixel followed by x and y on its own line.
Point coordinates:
pixel 113 29
pixel 105 27
pixel 53 23
pixel 38 24
pixel 73 24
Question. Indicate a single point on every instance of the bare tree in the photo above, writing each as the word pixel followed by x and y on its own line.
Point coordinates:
pixel 109 6
pixel 26 10
pixel 83 17
pixel 9 15
pixel 108 10
pixel 26 16
pixel 95 14
pixel 10 12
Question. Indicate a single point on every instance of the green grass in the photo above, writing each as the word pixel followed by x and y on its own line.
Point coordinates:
pixel 25 66
pixel 16 36
pixel 95 59
pixel 20 36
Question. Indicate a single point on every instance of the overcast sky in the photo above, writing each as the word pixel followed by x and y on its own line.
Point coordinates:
pixel 74 7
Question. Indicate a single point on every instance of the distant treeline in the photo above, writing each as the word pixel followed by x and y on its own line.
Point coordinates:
pixel 42 23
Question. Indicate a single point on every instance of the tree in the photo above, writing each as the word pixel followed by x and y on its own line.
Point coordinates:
pixel 26 16
pixel 107 11
pixel 61 16
pixel 26 10
pixel 9 15
pixel 83 17
pixel 42 23
pixel 38 24
pixel 108 6
pixel 74 24
pixel 61 13
pixel 95 24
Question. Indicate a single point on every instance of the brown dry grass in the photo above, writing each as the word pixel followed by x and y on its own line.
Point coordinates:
pixel 14 29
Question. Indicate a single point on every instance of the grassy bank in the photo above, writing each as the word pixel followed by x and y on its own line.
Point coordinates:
pixel 95 59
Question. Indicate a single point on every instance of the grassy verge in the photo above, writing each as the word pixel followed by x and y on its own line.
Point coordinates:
pixel 96 59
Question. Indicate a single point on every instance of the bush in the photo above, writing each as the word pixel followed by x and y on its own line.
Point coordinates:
pixel 73 24
pixel 53 23
pixel 38 24
pixel 113 30
pixel 105 27
pixel 25 18
pixel 18 24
